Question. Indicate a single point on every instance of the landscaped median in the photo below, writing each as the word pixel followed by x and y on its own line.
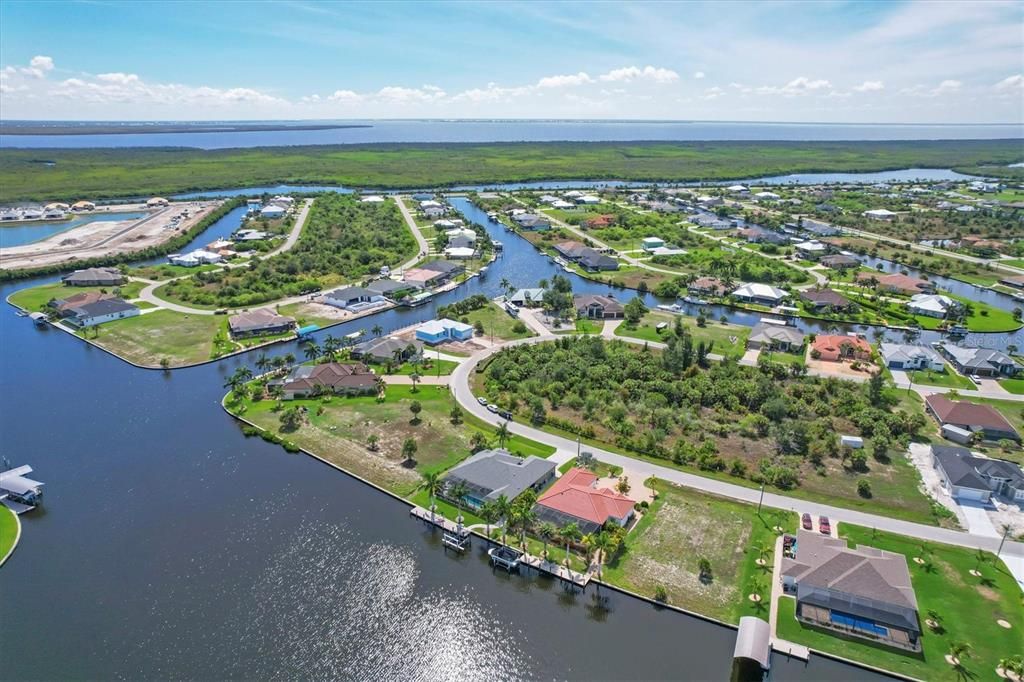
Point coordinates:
pixel 965 609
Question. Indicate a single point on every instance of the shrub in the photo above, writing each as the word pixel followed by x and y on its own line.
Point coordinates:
pixel 661 594
pixel 864 488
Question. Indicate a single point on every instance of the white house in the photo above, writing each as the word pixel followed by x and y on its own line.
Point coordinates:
pixel 931 305
pixel 562 204
pixel 879 214
pixel 767 196
pixel 588 199
pixel 904 356
pixel 651 243
pixel 272 212
pixel 812 250
pixel 98 312
pixel 737 189
pixel 459 252
pixel 194 258
pixel 760 293
pixel 372 199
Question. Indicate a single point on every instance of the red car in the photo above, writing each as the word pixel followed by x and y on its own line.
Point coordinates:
pixel 823 525
pixel 806 521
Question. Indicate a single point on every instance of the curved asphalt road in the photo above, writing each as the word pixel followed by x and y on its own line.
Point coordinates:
pixel 1012 554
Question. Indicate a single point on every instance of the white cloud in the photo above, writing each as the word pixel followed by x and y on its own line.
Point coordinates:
pixel 569 80
pixel 38 67
pixel 122 78
pixel 631 73
pixel 342 96
pixel 1015 82
pixel 798 86
pixel 870 86
pixel 698 75
pixel 947 86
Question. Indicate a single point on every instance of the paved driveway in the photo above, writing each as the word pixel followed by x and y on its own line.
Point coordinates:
pixel 978 522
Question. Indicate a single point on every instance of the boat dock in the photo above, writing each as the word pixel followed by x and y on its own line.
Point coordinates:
pixel 17 492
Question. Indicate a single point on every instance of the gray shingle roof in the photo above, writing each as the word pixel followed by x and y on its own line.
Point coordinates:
pixel 498 472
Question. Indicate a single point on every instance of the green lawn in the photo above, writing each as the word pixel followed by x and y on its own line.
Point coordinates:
pixel 337 429
pixel 683 525
pixel 968 608
pixel 1013 262
pixel 585 326
pixel 8 530
pixel 1014 412
pixel 167 271
pixel 35 298
pixel 145 339
pixel 728 339
pixel 949 379
pixel 428 368
pixel 497 323
pixel 1013 385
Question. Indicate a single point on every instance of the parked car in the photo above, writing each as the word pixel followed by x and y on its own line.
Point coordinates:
pixel 505 414
pixel 805 520
pixel 492 408
pixel 824 526
pixel 482 401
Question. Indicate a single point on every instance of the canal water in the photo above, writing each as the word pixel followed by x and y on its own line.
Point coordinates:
pixel 26 233
pixel 171 546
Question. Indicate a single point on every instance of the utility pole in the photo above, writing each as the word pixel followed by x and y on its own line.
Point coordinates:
pixel 1006 531
pixel 760 500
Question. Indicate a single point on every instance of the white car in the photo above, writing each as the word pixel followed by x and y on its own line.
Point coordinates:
pixel 493 408
pixel 482 401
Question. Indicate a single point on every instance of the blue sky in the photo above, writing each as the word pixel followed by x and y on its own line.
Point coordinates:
pixel 907 62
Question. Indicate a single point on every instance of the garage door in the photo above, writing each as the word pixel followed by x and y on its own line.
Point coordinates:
pixel 971 494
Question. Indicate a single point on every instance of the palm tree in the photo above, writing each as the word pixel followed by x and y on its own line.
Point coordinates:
pixel 415 379
pixel 377 330
pixel 524 514
pixel 959 651
pixel 432 485
pixel 502 434
pixel 503 509
pixel 547 531
pixel 289 358
pixel 262 362
pixel 456 493
pixel 570 532
pixel 489 513
pixel 331 345
pixel 600 545
pixel 397 357
pixel 505 285
pixel 311 351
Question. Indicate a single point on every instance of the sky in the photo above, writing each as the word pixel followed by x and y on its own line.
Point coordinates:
pixel 859 62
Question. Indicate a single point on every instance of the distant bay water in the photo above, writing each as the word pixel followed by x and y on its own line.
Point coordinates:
pixel 424 131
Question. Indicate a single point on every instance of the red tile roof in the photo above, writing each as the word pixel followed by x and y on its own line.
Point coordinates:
pixel 574 494
pixel 828 343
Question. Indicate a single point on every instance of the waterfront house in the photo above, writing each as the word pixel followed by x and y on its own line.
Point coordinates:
pixel 588 200
pixel 529 298
pixel 984 420
pixel 259 322
pixel 1015 281
pixel 766 196
pixel 570 250
pixel 898 283
pixel 840 262
pixel 597 307
pixel 63 306
pixel 459 252
pixel 863 592
pixel 372 199
pixel 532 222
pixel 932 305
pixel 768 336
pixel 966 477
pixel 812 250
pixel 195 258
pixel 592 260
pixel 879 214
pixel 446 268
pixel 982 362
pixel 387 349
pixel 825 300
pixel 817 228
pixel 603 220
pixel 330 377
pixel 908 357
pixel 840 347
pixel 421 278
pixel 575 498
pixel 763 294
pixel 433 212
pixel 392 289
pixel 98 312
pixel 707 286
pixel 272 212
pixel 94 277
pixel 354 299
pixel 440 331
pixel 563 205
pixel 489 474
pixel 83 206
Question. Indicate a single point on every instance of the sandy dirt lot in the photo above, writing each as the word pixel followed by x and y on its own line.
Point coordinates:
pixel 105 237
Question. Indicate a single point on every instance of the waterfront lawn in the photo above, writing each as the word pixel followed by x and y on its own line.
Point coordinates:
pixel 307 313
pixel 949 378
pixel 146 339
pixel 337 428
pixel 586 326
pixel 729 340
pixel 35 298
pixel 968 607
pixel 8 530
pixel 497 323
pixel 684 525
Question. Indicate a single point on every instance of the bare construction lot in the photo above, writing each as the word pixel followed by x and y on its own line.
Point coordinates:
pixel 105 237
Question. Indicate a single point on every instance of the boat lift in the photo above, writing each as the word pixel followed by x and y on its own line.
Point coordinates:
pixel 18 493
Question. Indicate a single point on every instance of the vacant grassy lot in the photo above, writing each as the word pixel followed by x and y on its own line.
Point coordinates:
pixel 497 323
pixel 337 428
pixel 968 608
pixel 728 339
pixel 145 339
pixel 167 271
pixel 685 525
pixel 103 173
pixel 35 298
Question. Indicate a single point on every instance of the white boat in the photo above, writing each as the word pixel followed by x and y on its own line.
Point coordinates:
pixel 355 335
pixel 674 308
pixel 694 301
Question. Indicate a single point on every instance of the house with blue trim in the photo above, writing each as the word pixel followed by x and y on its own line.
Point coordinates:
pixel 440 331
